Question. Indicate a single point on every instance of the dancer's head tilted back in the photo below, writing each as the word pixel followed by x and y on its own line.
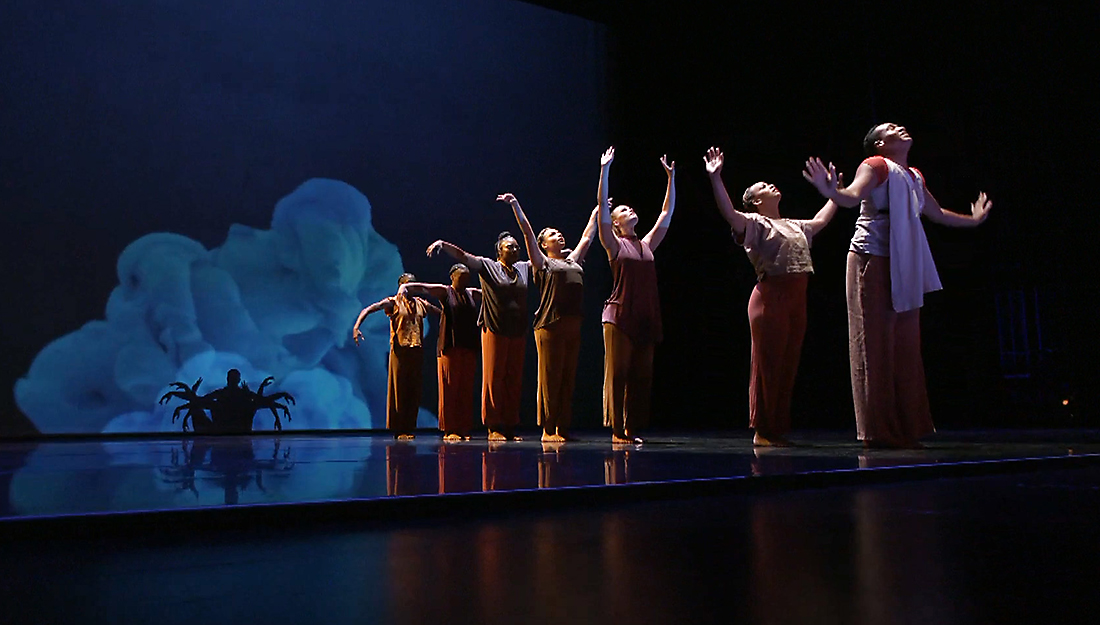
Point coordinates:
pixel 623 220
pixel 552 242
pixel 762 198
pixel 887 140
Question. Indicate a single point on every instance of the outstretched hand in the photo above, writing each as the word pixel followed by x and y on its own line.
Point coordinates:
pixel 434 248
pixel 607 157
pixel 980 208
pixel 670 168
pixel 357 334
pixel 507 197
pixel 714 161
pixel 824 179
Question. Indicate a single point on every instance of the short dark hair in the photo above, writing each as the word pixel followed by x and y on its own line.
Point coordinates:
pixel 869 147
pixel 406 277
pixel 458 267
pixel 501 237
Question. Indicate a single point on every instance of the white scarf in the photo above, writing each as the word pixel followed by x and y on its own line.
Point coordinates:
pixel 912 270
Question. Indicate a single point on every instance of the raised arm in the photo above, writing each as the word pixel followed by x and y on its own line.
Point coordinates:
pixel 538 259
pixel 714 160
pixel 979 211
pixel 438 291
pixel 581 249
pixel 828 183
pixel 823 217
pixel 657 234
pixel 455 252
pixel 385 304
pixel 607 233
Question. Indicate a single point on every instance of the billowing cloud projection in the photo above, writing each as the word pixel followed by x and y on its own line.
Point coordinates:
pixel 276 302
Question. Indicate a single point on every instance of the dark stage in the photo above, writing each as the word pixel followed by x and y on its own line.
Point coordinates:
pixel 687 528
pixel 373 476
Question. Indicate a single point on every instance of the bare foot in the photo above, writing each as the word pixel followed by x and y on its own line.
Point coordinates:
pixel 497 436
pixel 513 437
pixel 405 437
pixel 760 441
pixel 625 440
pixel 453 438
pixel 552 438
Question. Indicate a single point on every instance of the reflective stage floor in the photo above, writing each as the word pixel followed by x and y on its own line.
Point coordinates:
pixel 370 472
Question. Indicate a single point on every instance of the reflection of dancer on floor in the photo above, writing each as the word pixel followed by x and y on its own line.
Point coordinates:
pixel 503 321
pixel 459 342
pixel 632 315
pixel 779 250
pixel 559 275
pixel 406 370
pixel 890 268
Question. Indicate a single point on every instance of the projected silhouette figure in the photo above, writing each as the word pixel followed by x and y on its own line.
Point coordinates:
pixel 231 408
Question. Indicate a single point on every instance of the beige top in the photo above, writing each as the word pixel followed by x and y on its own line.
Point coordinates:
pixel 777 246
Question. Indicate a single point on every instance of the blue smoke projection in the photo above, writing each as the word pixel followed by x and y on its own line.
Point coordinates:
pixel 276 302
pixel 194 187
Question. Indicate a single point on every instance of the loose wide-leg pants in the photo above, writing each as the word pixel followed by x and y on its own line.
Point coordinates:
pixel 627 382
pixel 501 379
pixel 888 385
pixel 559 346
pixel 405 381
pixel 777 323
pixel 457 373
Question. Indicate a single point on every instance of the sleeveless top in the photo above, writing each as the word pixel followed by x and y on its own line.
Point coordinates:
pixel 633 306
pixel 458 324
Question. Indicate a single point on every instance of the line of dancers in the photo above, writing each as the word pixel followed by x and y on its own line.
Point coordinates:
pixel 889 269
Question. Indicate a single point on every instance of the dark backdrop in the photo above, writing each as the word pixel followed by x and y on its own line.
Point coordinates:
pixel 996 101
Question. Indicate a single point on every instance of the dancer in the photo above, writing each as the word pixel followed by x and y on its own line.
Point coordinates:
pixel 503 322
pixel 632 315
pixel 890 268
pixel 559 275
pixel 457 349
pixel 406 369
pixel 779 250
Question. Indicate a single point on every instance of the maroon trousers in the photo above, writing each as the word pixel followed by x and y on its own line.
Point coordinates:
pixel 777 323
pixel 888 387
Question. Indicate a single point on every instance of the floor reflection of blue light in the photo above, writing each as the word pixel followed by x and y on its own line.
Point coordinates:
pixel 90 477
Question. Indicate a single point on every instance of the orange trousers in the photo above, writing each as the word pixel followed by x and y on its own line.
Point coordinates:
pixel 457 373
pixel 501 379
pixel 559 347
pixel 627 382
pixel 404 384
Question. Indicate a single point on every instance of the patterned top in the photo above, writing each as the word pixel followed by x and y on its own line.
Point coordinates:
pixel 777 246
